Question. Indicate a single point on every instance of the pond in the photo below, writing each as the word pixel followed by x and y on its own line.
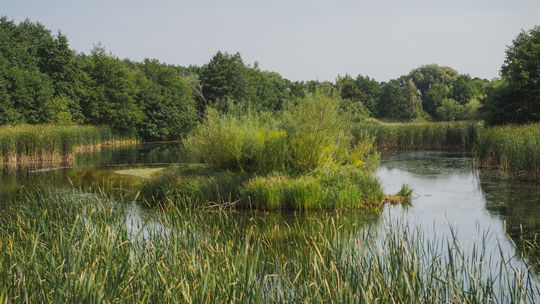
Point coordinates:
pixel 450 196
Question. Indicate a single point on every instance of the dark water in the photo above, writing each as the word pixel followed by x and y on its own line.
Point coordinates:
pixel 448 192
pixel 94 171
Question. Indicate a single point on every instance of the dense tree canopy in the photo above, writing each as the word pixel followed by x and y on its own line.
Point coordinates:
pixel 516 98
pixel 42 80
pixel 400 100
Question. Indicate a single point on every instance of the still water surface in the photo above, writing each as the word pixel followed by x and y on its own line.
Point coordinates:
pixel 448 192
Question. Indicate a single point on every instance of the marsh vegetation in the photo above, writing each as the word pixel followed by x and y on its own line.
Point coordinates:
pixel 72 247
pixel 274 190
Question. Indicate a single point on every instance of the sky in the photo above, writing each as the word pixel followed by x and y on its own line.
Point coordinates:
pixel 300 39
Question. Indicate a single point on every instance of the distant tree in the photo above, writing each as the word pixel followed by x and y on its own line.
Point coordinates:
pixel 112 99
pixel 496 103
pixel 450 109
pixel 425 77
pixel 271 90
pixel 413 106
pixel 353 97
pixel 371 90
pixel 24 89
pixel 464 89
pixel 224 78
pixel 434 97
pixel 166 101
pixel 349 89
pixel 399 101
pixel 516 99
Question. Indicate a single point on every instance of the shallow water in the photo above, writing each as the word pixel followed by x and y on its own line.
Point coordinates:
pixel 448 192
pixel 94 170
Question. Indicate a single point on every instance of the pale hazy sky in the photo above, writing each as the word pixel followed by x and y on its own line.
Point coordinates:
pixel 303 39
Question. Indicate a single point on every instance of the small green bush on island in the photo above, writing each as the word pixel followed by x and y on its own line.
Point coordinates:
pixel 300 158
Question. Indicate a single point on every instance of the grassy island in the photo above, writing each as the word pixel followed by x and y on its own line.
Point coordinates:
pixel 300 158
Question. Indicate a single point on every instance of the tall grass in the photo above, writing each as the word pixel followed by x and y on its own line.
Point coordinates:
pixel 300 139
pixel 196 185
pixel 66 248
pixel 421 135
pixel 31 143
pixel 512 148
pixel 301 158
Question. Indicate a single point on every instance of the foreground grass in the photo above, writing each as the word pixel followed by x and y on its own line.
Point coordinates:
pixel 69 247
pixel 421 135
pixel 22 144
pixel 512 148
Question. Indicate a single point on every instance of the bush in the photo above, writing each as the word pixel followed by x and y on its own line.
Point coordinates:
pixel 289 141
pixel 275 161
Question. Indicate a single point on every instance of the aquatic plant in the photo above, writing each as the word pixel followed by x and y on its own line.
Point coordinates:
pixel 71 247
pixel 512 148
pixel 21 144
pixel 320 190
pixel 197 185
pixel 420 135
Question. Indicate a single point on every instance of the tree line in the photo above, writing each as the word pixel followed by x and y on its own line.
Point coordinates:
pixel 43 80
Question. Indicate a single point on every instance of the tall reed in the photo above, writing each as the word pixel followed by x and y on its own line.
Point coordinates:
pixel 420 135
pixel 512 148
pixel 21 144
pixel 69 248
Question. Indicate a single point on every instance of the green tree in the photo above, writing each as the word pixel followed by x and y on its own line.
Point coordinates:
pixel 400 101
pixel 434 97
pixel 516 99
pixel 112 100
pixel 166 100
pixel 464 88
pixel 371 90
pixel 224 78
pixel 450 109
pixel 413 106
pixel 425 77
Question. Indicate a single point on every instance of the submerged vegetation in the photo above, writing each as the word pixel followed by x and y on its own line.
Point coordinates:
pixel 49 143
pixel 275 161
pixel 68 247
pixel 511 148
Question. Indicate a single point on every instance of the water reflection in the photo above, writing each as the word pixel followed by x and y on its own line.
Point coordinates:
pixel 94 170
pixel 450 193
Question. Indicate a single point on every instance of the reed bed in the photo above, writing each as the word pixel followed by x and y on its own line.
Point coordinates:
pixel 420 135
pixel 69 247
pixel 512 148
pixel 23 144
